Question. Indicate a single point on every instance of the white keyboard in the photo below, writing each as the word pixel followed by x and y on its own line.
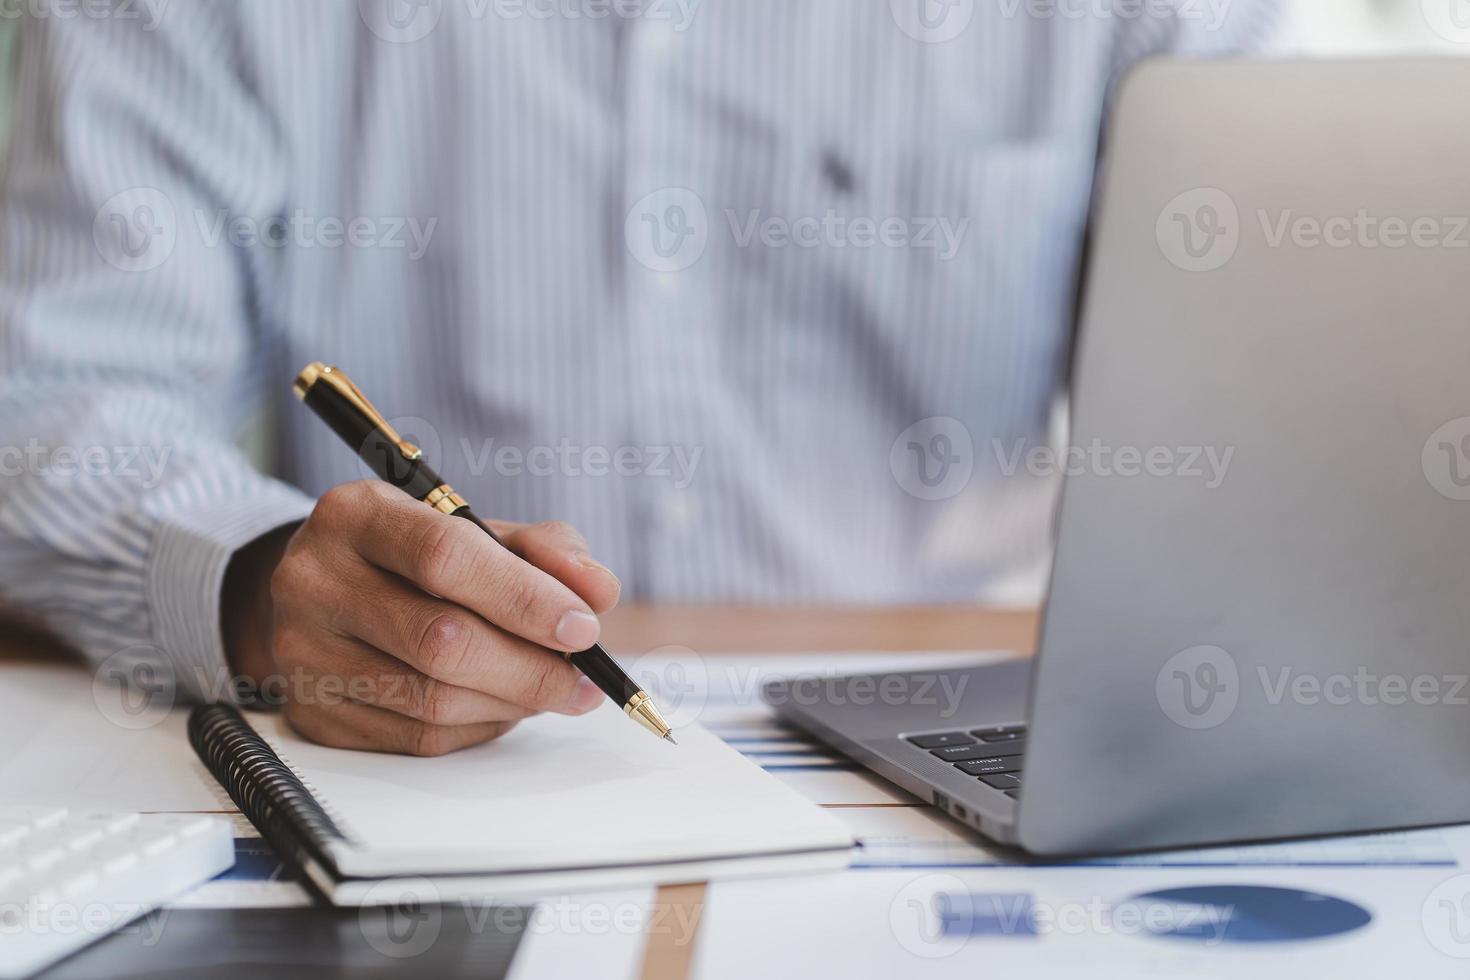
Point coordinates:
pixel 69 878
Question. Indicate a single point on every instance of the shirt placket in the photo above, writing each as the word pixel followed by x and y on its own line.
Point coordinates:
pixel 666 240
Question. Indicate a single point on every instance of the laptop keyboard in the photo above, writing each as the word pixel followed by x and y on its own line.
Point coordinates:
pixel 992 755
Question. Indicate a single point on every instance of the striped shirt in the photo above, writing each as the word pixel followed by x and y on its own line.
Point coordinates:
pixel 748 290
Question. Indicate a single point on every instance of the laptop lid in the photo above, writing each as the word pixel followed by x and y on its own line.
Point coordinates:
pixel 1259 618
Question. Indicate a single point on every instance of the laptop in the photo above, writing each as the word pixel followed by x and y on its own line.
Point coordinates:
pixel 1279 275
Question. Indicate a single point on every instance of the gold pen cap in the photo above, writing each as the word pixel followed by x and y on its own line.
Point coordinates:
pixel 307 378
pixel 316 373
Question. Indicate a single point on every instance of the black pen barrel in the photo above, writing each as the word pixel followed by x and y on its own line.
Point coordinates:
pixel 595 662
pixel 605 673
pixel 380 450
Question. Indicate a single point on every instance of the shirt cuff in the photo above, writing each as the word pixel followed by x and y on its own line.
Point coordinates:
pixel 186 571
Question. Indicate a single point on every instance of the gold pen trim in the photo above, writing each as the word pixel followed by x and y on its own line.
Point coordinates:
pixel 318 373
pixel 443 499
pixel 641 709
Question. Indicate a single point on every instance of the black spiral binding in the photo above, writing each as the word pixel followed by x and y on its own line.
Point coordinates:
pixel 265 789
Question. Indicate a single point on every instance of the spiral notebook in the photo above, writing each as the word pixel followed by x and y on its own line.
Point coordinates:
pixel 558 804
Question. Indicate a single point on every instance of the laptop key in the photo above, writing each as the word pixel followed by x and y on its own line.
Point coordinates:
pixel 964 753
pixel 947 738
pixel 1013 793
pixel 982 767
pixel 1000 733
pixel 1005 780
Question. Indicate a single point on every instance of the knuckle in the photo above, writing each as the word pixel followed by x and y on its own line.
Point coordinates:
pixel 522 602
pixel 442 645
pixel 525 600
pixel 561 531
pixel 436 702
pixel 439 552
pixel 547 685
pixel 335 501
pixel 426 740
pixel 346 500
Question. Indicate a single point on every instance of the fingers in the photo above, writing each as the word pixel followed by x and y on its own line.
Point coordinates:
pixel 559 549
pixel 454 647
pixel 401 629
pixel 349 725
pixel 454 559
pixel 355 671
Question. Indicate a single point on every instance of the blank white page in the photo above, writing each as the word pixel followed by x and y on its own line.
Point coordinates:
pixel 556 793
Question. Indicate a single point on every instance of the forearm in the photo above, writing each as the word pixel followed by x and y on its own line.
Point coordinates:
pixel 124 360
pixel 116 536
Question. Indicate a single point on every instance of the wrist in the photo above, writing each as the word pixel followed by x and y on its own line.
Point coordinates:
pixel 246 620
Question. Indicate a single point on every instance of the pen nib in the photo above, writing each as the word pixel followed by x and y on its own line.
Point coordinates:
pixel 641 709
pixel 669 737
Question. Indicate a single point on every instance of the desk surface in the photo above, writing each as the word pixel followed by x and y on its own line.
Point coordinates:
pixel 722 629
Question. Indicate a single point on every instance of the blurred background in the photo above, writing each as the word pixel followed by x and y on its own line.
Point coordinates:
pixel 1381 26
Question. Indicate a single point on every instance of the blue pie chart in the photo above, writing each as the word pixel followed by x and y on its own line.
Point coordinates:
pixel 1246 914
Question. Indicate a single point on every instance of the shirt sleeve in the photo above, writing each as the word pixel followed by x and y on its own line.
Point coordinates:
pixel 132 334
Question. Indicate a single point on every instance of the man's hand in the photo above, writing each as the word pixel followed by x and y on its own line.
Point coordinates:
pixel 400 629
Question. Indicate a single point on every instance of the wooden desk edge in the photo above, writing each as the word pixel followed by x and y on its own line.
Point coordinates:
pixel 761 629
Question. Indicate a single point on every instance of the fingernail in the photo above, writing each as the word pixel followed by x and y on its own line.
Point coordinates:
pixel 586 697
pixel 577 630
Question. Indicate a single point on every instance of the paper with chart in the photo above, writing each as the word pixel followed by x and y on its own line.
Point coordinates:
pixel 1256 923
pixel 925 896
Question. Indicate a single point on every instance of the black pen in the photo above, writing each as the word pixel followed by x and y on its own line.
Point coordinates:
pixel 339 403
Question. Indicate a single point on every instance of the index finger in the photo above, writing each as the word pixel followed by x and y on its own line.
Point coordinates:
pixel 454 559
